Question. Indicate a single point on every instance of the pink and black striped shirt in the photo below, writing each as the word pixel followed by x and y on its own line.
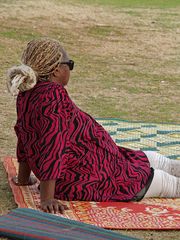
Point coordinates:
pixel 60 142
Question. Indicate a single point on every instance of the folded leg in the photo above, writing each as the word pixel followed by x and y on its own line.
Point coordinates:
pixel 164 185
pixel 158 161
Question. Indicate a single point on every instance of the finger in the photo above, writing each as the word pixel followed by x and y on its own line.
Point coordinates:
pixel 50 208
pixel 61 208
pixel 44 208
pixel 56 207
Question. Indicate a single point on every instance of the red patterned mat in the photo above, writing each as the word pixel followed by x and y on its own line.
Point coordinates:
pixel 147 214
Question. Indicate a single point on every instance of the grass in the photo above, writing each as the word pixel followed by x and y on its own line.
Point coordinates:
pixel 126 63
pixel 103 31
pixel 137 3
pixel 20 35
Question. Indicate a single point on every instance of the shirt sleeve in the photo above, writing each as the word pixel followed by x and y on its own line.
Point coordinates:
pixel 51 142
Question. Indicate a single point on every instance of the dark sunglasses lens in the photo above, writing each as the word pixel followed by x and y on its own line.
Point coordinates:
pixel 71 64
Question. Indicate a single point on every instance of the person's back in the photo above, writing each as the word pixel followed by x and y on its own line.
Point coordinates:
pixel 61 142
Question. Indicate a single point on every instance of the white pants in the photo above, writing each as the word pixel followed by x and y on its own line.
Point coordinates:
pixel 166 181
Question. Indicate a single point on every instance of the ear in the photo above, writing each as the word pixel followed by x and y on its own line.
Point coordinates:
pixel 57 71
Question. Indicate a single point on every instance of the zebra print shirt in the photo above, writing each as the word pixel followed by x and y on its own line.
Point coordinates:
pixel 60 142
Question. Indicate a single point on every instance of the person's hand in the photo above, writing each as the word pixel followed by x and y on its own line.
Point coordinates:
pixel 32 180
pixel 53 206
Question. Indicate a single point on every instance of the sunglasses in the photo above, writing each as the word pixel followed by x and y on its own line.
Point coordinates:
pixel 70 64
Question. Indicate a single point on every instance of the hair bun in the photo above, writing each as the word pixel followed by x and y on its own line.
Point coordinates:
pixel 21 78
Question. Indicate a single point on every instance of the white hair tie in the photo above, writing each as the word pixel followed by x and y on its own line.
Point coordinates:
pixel 21 78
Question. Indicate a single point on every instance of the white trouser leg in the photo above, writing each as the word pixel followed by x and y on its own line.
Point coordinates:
pixel 158 161
pixel 163 185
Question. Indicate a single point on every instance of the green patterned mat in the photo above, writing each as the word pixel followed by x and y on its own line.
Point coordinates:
pixel 162 138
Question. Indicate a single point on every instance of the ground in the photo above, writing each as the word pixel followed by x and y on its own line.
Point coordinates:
pixel 126 64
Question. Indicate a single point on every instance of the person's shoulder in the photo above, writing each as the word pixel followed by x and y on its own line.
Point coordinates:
pixel 58 92
pixel 50 92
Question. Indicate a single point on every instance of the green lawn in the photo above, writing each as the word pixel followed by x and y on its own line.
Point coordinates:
pixel 136 3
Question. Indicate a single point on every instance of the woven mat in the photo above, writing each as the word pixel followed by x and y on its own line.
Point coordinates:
pixel 162 138
pixel 25 223
pixel 147 214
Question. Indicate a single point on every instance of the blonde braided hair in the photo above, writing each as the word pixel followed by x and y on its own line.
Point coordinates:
pixel 39 59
